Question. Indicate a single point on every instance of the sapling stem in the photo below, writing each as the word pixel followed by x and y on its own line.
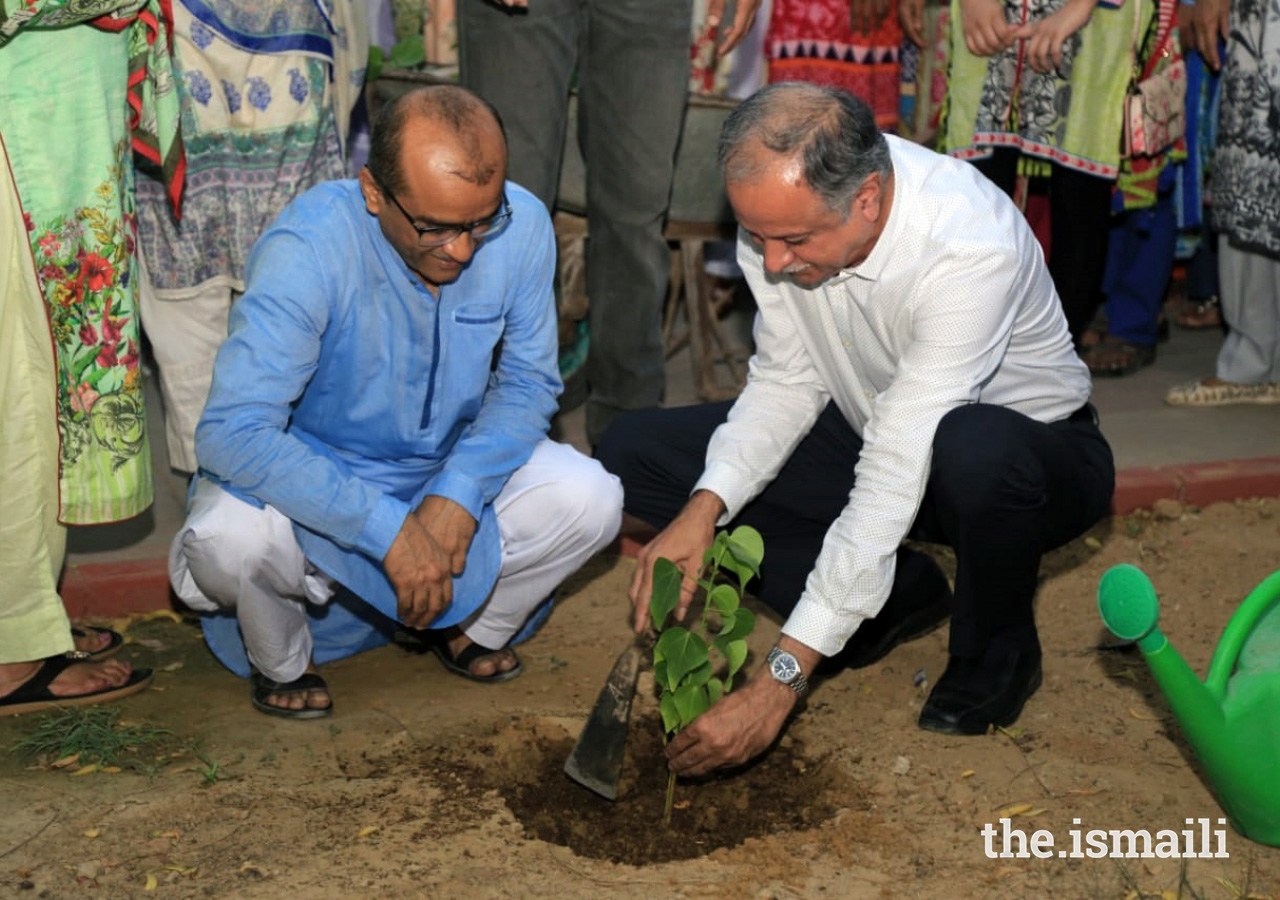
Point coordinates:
pixel 671 796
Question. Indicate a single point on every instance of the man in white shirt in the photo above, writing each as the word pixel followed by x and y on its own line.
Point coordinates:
pixel 913 377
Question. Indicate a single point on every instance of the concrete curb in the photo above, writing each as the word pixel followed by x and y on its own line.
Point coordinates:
pixel 102 590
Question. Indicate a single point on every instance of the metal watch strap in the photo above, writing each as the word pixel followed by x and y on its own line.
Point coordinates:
pixel 799 684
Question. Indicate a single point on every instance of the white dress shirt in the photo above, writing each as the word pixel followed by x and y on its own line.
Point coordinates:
pixel 954 305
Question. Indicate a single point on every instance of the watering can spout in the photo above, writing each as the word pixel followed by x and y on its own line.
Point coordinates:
pixel 1129 607
pixel 1229 718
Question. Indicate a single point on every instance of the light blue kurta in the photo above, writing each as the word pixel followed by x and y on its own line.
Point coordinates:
pixel 346 392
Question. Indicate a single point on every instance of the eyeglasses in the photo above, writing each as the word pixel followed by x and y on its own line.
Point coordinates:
pixel 439 235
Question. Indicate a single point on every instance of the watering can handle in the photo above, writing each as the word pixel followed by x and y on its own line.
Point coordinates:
pixel 1238 630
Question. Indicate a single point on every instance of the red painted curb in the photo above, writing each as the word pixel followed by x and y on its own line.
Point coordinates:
pixel 112 589
pixel 99 590
pixel 1229 480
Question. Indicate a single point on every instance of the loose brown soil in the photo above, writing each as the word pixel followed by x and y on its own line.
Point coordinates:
pixel 780 793
pixel 424 785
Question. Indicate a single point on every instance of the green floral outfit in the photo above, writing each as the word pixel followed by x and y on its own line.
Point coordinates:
pixel 67 133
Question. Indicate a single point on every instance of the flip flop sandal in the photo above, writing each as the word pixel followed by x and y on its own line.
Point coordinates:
pixel 111 649
pixel 461 664
pixel 34 695
pixel 262 687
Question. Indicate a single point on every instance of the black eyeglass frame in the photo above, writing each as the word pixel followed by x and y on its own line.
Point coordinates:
pixel 440 235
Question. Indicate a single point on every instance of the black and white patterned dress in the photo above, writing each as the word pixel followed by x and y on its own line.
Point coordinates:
pixel 1246 166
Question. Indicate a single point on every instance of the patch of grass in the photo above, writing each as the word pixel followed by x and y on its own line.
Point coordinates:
pixel 95 733
pixel 208 768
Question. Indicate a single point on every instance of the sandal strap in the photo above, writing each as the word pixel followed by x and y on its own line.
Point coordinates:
pixel 308 681
pixel 37 686
pixel 471 653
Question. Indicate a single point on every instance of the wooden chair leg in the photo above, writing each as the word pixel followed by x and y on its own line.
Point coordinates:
pixel 693 313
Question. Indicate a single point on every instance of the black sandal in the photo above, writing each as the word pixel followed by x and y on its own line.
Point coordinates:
pixel 33 695
pixel 111 649
pixel 262 687
pixel 461 664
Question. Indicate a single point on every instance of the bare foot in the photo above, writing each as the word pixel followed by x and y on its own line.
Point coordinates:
pixel 316 699
pixel 74 681
pixel 483 666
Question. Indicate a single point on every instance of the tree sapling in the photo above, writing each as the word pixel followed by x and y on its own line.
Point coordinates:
pixel 694 667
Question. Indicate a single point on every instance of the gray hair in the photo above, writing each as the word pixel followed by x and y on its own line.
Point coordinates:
pixel 832 132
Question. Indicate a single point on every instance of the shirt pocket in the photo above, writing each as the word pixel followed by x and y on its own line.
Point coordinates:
pixel 478 314
pixel 470 349
pixel 476 332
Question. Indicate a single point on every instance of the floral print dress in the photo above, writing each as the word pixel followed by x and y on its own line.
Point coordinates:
pixel 68 134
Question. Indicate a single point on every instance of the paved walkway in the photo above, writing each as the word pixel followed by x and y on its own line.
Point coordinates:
pixel 1195 455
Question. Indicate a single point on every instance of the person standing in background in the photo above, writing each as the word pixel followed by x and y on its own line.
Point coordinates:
pixel 267 91
pixel 73 438
pixel 1038 88
pixel 848 44
pixel 1246 203
pixel 631 59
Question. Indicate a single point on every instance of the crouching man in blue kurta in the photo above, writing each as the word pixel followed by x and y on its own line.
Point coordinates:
pixel 377 427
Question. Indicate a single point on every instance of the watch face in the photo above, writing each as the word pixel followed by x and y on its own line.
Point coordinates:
pixel 785 668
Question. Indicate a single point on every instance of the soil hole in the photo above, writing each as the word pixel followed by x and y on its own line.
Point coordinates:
pixel 782 792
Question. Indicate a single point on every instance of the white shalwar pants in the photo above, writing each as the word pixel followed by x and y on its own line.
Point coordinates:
pixel 555 512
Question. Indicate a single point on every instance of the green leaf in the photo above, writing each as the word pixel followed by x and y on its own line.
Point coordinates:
pixel 718 550
pixel 715 690
pixel 660 675
pixel 408 53
pixel 670 714
pixel 747 546
pixel 374 67
pixel 746 552
pixel 724 599
pixel 683 651
pixel 664 596
pixel 736 653
pixel 737 628
pixel 691 701
pixel 700 675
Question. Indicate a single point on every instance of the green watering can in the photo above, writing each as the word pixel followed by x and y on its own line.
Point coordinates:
pixel 1232 718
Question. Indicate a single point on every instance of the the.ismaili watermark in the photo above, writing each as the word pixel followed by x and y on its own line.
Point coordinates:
pixel 1097 843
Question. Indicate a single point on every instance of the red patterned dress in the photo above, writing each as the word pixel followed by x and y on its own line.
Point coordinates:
pixel 814 41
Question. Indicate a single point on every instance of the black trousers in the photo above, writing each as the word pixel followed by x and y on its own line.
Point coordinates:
pixel 1002 490
pixel 1079 215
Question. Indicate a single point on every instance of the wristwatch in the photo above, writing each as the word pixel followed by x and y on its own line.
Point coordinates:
pixel 786 668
